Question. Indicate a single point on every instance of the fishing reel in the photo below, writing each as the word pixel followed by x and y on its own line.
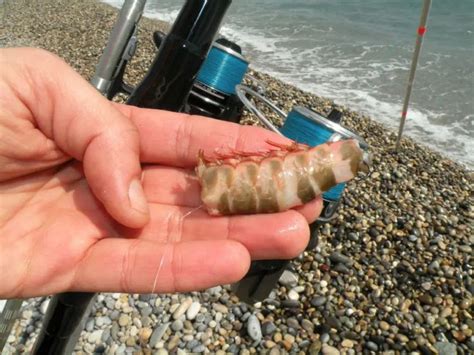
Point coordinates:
pixel 213 93
pixel 306 126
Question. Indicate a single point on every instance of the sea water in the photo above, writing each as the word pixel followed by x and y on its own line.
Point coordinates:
pixel 359 52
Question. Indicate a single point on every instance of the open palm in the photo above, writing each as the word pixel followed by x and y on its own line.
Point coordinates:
pixel 96 196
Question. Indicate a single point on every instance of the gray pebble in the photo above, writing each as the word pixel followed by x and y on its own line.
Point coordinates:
pixel 290 303
pixel 177 325
pixel 445 348
pixel 341 268
pixel 254 329
pixel 90 325
pixel 99 321
pixel 114 315
pixel 157 334
pixel 199 349
pixel 304 343
pixel 237 312
pixel 307 325
pixel 288 279
pixel 268 328
pixel 146 297
pixel 292 323
pixel 110 303
pixel 201 327
pixel 371 346
pixel 245 316
pixel 233 349
pixel 318 301
pixel 337 257
pixel 114 330
pixel 121 349
pixel 192 343
pixel 146 311
pixel 105 335
pixel 333 322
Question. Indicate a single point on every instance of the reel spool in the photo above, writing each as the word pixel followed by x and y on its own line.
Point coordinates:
pixel 306 126
pixel 213 93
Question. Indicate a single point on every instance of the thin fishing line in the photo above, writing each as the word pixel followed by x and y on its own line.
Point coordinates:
pixel 155 280
pixel 222 70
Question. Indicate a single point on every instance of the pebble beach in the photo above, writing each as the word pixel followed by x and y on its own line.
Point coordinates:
pixel 391 274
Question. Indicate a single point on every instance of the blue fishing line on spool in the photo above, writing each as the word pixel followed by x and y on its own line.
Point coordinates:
pixel 222 71
pixel 304 130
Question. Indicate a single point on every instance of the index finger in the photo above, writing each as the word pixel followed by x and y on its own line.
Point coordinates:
pixel 175 139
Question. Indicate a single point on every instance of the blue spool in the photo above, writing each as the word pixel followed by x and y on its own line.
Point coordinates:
pixel 223 69
pixel 306 126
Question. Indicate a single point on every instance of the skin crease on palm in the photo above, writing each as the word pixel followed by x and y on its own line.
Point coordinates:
pixel 99 196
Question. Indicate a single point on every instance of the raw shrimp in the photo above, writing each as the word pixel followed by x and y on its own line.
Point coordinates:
pixel 276 180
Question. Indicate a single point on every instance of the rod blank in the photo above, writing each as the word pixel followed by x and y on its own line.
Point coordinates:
pixel 416 54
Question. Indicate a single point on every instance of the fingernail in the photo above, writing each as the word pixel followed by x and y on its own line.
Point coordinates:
pixel 137 197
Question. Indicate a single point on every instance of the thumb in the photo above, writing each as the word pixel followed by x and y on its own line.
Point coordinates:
pixel 89 128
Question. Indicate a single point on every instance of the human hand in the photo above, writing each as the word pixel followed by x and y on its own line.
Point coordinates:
pixel 77 211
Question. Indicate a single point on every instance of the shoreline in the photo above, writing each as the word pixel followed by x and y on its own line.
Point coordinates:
pixel 382 106
pixel 406 230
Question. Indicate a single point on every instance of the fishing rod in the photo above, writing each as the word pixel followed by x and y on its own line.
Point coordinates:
pixel 416 55
pixel 182 52
pixel 121 47
pixel 167 85
pixel 8 316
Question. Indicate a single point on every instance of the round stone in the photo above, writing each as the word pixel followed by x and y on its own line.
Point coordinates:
pixel 144 334
pixel 347 343
pixel 198 349
pixel 253 328
pixel 292 323
pixel 193 310
pixel 124 320
pixel 330 350
pixel 177 325
pixel 182 308
pixel 293 295
pixel 371 346
pixel 268 328
pixel 288 279
pixel 384 325
pixel 318 301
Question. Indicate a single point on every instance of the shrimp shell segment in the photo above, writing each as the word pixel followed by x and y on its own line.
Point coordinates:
pixel 277 180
